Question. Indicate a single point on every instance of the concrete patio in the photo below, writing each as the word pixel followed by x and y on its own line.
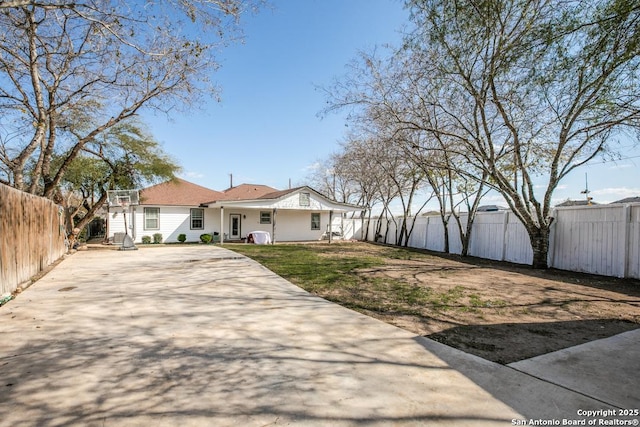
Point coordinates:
pixel 198 336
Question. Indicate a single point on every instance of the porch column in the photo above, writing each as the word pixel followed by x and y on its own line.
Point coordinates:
pixel 273 226
pixel 221 225
pixel 330 226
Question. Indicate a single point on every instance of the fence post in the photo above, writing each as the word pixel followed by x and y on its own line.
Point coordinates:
pixel 426 233
pixel 551 255
pixel 626 216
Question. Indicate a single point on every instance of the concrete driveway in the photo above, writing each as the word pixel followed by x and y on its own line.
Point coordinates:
pixel 200 336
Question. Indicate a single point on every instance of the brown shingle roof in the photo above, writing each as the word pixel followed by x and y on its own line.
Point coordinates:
pixel 246 192
pixel 567 203
pixel 178 193
pixel 277 194
pixel 628 200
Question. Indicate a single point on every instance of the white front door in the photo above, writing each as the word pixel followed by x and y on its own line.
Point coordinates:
pixel 234 226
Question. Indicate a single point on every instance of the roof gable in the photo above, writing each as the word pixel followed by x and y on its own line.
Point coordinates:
pixel 178 192
pixel 247 192
pixel 303 189
pixel 277 194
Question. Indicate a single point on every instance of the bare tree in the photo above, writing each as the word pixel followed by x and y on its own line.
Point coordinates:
pixel 389 94
pixel 530 90
pixel 69 71
pixel 362 171
pixel 332 177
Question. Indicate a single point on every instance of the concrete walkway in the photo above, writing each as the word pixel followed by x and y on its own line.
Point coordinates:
pixel 200 336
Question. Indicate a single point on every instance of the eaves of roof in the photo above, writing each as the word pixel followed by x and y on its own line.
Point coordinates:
pixel 278 195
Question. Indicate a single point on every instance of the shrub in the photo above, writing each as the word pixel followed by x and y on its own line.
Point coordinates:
pixel 157 238
pixel 146 240
pixel 182 238
pixel 205 238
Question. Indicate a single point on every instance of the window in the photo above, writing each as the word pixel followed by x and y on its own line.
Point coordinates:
pixel 265 217
pixel 304 199
pixel 315 221
pixel 151 218
pixel 197 219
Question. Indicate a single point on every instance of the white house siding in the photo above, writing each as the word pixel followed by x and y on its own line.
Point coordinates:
pixel 249 221
pixel 174 220
pixel 293 221
pixel 296 226
pixel 292 201
pixel 116 221
pixel 211 224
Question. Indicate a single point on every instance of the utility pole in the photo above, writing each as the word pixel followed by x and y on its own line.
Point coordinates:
pixel 586 190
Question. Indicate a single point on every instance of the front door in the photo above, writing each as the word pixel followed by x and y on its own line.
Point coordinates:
pixel 234 226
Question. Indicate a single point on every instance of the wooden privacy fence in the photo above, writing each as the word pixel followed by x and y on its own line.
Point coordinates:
pixel 32 236
pixel 602 239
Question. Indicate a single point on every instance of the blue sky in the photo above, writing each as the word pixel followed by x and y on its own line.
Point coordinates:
pixel 267 131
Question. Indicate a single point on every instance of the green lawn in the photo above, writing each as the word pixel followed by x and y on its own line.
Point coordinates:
pixel 345 273
pixel 314 267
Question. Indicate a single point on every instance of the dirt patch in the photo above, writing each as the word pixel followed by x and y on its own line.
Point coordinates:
pixel 498 311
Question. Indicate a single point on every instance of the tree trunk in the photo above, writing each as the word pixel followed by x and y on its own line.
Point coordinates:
pixel 403 230
pixel 366 221
pixel 540 244
pixel 466 239
pixel 92 211
pixel 446 235
pixel 377 236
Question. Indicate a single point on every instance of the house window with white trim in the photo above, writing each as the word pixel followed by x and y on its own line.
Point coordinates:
pixel 265 217
pixel 197 219
pixel 315 221
pixel 152 218
pixel 305 199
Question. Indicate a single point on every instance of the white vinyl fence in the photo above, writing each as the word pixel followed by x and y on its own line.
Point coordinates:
pixel 595 239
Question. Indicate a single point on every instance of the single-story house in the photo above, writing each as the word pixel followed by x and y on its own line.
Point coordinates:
pixel 635 199
pixel 571 203
pixel 181 207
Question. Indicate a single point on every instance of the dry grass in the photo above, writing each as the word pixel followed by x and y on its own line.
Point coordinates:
pixel 498 311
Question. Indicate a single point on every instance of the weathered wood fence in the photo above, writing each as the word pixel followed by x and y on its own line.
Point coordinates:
pixel 602 239
pixel 32 236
